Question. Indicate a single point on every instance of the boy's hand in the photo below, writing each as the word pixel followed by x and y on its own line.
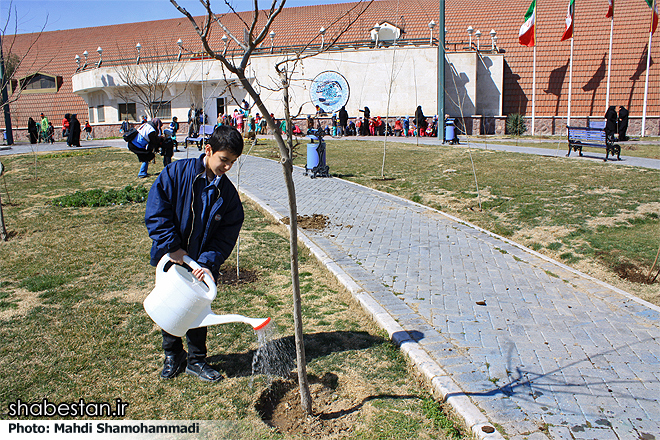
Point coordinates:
pixel 199 273
pixel 177 256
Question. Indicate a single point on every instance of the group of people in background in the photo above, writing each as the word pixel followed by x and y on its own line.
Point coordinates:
pixel 43 131
pixel 616 123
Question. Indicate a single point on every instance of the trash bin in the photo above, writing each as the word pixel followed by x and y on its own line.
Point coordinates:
pixel 450 132
pixel 312 156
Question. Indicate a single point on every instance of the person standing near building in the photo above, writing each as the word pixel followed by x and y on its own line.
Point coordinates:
pixel 65 126
pixel 193 209
pixel 623 123
pixel 343 120
pixel 88 131
pixel 420 121
pixel 73 140
pixel 44 126
pixel 611 123
pixel 32 130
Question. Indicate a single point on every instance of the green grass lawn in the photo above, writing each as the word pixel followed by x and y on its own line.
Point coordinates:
pixel 72 283
pixel 598 217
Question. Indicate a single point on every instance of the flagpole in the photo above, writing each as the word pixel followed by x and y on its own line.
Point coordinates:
pixel 648 65
pixel 534 89
pixel 534 77
pixel 646 86
pixel 570 81
pixel 609 65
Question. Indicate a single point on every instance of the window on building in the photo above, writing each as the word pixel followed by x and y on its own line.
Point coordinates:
pixel 39 83
pixel 100 112
pixel 127 111
pixel 161 109
pixel 90 111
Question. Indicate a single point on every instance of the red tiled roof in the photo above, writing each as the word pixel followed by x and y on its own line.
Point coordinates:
pixel 54 51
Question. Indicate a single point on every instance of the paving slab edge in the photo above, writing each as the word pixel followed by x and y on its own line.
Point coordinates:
pixel 442 384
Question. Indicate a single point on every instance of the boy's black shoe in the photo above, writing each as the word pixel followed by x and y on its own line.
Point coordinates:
pixel 204 371
pixel 173 365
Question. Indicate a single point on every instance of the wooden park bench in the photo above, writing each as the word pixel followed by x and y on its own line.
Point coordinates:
pixel 205 131
pixel 595 137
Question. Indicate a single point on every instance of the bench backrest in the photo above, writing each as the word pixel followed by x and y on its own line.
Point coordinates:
pixel 206 130
pixel 587 134
pixel 597 124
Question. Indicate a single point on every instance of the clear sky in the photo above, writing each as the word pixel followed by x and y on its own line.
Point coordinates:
pixel 32 15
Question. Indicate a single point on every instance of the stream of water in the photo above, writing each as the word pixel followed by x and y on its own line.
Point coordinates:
pixel 275 355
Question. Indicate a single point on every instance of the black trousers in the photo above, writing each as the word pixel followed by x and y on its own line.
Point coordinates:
pixel 196 339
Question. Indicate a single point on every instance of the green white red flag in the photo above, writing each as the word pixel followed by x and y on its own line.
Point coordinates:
pixel 527 36
pixel 653 4
pixel 568 33
pixel 610 11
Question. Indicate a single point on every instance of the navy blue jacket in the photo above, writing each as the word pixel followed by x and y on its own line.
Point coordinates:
pixel 169 215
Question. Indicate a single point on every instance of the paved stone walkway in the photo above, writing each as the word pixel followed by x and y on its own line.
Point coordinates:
pixel 542 350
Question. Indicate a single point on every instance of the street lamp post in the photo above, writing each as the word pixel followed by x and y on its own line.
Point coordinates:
pixel 180 44
pixel 100 51
pixel 224 40
pixel 322 32
pixel 431 26
pixel 377 29
pixel 138 47
pixel 470 31
pixel 493 39
pixel 478 35
pixel 272 37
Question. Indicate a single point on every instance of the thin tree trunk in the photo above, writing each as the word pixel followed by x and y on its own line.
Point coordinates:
pixel 3 232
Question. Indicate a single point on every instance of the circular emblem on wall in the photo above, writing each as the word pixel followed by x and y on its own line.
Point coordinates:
pixel 329 90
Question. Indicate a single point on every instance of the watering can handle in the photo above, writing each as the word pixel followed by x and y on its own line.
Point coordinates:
pixel 208 279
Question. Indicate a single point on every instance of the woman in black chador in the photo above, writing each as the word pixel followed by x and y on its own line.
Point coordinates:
pixel 32 131
pixel 623 123
pixel 74 132
pixel 611 122
pixel 420 121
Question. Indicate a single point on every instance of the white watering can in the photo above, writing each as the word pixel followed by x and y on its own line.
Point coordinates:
pixel 180 301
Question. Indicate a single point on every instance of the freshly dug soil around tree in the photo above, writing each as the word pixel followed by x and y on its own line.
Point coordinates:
pixel 316 221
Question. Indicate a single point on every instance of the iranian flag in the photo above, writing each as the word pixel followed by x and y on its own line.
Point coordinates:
pixel 526 36
pixel 653 4
pixel 568 33
pixel 610 11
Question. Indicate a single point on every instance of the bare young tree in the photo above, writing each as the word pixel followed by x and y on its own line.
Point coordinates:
pixel 148 80
pixel 11 64
pixel 255 32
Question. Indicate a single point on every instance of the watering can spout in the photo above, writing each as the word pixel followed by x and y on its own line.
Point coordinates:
pixel 180 302
pixel 209 318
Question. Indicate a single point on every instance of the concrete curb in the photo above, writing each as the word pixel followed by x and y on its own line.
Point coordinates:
pixel 442 384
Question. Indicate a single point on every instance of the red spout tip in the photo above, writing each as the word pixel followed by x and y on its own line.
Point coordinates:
pixel 263 324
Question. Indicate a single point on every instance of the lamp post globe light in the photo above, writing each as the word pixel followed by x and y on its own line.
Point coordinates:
pixel 431 26
pixel 272 37
pixel 470 31
pixel 100 52
pixel 138 47
pixel 478 35
pixel 180 44
pixel 377 29
pixel 493 38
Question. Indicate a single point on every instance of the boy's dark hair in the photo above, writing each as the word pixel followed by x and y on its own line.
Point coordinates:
pixel 226 138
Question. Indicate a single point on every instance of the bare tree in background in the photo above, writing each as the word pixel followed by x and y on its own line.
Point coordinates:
pixel 12 62
pixel 254 33
pixel 148 79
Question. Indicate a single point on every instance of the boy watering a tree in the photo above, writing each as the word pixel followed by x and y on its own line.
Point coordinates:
pixel 193 209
